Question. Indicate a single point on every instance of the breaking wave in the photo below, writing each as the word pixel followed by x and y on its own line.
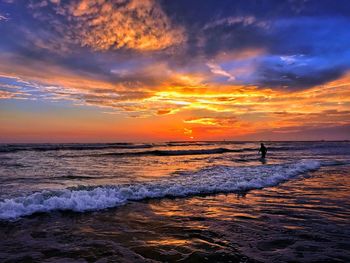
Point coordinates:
pixel 216 179
pixel 7 148
pixel 175 152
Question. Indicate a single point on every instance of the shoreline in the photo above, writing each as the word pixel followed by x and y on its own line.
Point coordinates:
pixel 303 219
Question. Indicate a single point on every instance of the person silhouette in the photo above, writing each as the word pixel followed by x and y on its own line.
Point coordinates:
pixel 263 151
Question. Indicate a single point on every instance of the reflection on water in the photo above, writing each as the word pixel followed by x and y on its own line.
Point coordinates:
pixel 302 220
pixel 304 217
pixel 29 168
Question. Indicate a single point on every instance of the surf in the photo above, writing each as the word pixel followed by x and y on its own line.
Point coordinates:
pixel 209 180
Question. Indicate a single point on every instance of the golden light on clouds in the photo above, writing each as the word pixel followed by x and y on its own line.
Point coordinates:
pixel 206 111
pixel 137 62
pixel 139 25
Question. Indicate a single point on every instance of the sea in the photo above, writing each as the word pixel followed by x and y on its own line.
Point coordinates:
pixel 198 201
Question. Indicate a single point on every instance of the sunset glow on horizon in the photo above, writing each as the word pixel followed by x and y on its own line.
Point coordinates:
pixel 161 70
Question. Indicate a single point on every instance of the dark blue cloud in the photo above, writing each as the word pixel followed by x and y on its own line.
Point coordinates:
pixel 311 51
pixel 317 37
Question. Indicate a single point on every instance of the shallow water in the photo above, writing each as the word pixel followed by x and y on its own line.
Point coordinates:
pixel 167 206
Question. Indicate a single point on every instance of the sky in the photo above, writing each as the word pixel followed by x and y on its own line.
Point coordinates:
pixel 164 70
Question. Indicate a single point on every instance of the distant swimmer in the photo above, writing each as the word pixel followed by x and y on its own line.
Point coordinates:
pixel 263 151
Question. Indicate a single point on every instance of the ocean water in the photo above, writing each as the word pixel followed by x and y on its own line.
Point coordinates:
pixel 175 201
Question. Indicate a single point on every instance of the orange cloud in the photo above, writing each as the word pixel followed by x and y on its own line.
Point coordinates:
pixel 220 121
pixel 208 110
pixel 132 24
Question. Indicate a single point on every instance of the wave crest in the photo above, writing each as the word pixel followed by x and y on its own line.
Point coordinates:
pixel 174 152
pixel 214 179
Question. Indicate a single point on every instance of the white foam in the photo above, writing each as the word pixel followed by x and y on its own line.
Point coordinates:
pixel 210 180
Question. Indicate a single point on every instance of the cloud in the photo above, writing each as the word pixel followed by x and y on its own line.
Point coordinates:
pixel 8 95
pixel 221 121
pixel 3 18
pixel 162 90
pixel 210 110
pixel 134 96
pixel 15 88
pixel 187 131
pixel 317 44
pixel 237 20
pixel 216 69
pixel 295 48
pixel 104 25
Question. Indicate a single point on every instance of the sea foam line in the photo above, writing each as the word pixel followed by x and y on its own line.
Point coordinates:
pixel 215 179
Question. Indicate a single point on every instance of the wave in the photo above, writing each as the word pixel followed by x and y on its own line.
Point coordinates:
pixel 197 143
pixel 70 147
pixel 342 146
pixel 11 148
pixel 177 152
pixel 311 145
pixel 216 179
